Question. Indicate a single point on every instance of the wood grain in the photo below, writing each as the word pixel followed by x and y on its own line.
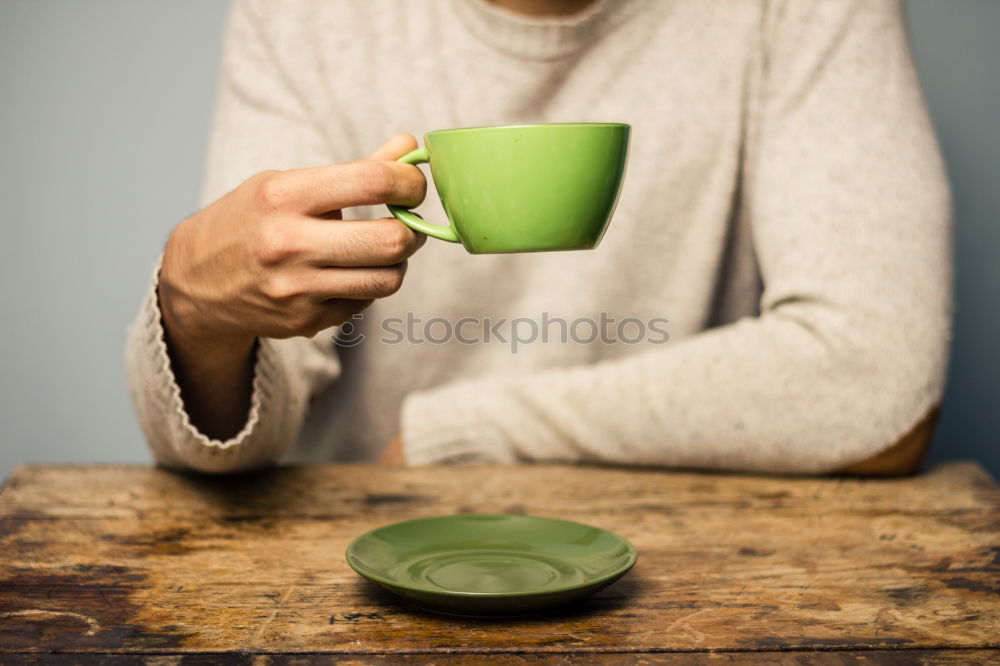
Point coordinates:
pixel 812 658
pixel 143 561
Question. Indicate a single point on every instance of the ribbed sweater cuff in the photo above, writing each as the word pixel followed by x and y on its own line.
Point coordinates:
pixel 176 441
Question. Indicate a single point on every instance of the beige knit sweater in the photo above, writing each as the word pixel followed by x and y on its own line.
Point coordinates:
pixel 785 210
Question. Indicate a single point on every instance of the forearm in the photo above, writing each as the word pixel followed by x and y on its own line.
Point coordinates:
pixel 215 378
pixel 765 395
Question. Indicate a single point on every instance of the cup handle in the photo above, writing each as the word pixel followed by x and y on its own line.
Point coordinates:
pixel 447 233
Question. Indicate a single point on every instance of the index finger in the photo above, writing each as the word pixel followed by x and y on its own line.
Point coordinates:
pixel 317 190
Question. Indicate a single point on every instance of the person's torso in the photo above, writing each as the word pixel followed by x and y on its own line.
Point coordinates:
pixel 676 249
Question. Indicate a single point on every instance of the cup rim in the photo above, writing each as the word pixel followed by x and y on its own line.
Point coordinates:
pixel 480 128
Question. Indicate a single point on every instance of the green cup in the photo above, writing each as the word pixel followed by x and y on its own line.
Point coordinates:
pixel 523 188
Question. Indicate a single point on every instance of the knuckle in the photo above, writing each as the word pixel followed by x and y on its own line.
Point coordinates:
pixel 389 281
pixel 280 288
pixel 420 188
pixel 267 173
pixel 273 191
pixel 395 242
pixel 377 181
pixel 277 244
pixel 255 181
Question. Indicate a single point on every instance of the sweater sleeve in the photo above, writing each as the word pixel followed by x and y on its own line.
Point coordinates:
pixel 847 199
pixel 261 122
pixel 286 374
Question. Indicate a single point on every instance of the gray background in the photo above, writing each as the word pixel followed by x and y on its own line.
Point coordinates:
pixel 103 122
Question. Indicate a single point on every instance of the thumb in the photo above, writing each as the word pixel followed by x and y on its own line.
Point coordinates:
pixel 395 147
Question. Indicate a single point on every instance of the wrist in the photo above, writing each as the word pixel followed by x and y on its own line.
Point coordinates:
pixel 186 332
pixel 210 352
pixel 188 341
pixel 187 329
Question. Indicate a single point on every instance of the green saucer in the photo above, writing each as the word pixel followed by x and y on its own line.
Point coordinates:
pixel 490 564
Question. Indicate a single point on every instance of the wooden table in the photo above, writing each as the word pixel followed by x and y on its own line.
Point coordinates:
pixel 123 564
